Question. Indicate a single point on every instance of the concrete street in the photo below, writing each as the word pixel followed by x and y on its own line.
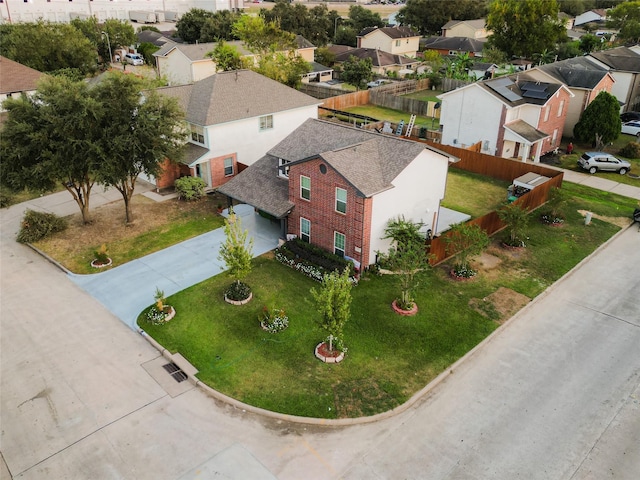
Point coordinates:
pixel 554 394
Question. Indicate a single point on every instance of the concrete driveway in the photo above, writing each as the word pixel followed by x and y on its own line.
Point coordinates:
pixel 555 394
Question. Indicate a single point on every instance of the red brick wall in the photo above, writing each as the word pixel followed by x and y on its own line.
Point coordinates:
pixel 554 121
pixel 605 84
pixel 169 172
pixel 320 210
pixel 217 170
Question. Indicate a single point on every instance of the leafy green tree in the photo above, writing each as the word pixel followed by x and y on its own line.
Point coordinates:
pixel 315 24
pixel 362 18
pixel 333 300
pixel 626 18
pixel 576 7
pixel 236 251
pixel 52 138
pixel 568 50
pixel 137 134
pixel 466 241
pixel 261 37
pixel 346 35
pixel 189 27
pixel 325 57
pixel 226 57
pixel 600 120
pixel 357 71
pixel 219 26
pixel 284 67
pixel 147 49
pixel 428 16
pixel 589 43
pixel 522 28
pixel 121 33
pixel 516 219
pixel 48 47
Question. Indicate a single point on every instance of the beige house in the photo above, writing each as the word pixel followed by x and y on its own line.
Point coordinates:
pixel 395 40
pixel 466 28
pixel 16 79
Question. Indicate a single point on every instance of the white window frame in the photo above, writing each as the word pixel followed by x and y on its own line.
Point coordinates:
pixel 560 108
pixel 307 222
pixel 336 250
pixel 197 133
pixel 303 188
pixel 266 122
pixel 340 201
pixel 283 170
pixel 546 113
pixel 398 42
pixel 555 137
pixel 228 166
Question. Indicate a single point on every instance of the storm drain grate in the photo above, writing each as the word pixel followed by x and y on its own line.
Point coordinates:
pixel 174 370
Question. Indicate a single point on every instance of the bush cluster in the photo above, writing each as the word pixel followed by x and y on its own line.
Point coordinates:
pixel 238 291
pixel 38 225
pixel 328 261
pixel 190 188
pixel 630 150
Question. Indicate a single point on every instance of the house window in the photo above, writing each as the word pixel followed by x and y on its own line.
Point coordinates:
pixel 228 167
pixel 560 108
pixel 305 230
pixel 555 137
pixel 341 200
pixel 397 43
pixel 305 187
pixel 266 122
pixel 283 170
pixel 546 113
pixel 197 133
pixel 338 243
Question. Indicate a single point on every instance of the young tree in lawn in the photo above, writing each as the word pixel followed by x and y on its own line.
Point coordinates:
pixel 357 71
pixel 465 241
pixel 333 300
pixel 52 138
pixel 516 219
pixel 137 134
pixel 236 253
pixel 600 121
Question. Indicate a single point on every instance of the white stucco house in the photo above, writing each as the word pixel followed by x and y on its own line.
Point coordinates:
pixel 233 118
pixel 337 186
pixel 395 40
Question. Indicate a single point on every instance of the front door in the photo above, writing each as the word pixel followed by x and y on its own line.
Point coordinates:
pixel 202 171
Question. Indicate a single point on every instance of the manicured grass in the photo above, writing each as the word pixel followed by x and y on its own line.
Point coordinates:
pixel 389 357
pixel 425 95
pixel 473 194
pixel 12 198
pixel 394 116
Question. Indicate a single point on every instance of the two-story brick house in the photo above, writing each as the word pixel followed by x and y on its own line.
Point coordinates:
pixel 514 116
pixel 337 186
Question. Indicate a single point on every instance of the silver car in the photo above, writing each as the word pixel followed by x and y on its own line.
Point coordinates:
pixel 596 161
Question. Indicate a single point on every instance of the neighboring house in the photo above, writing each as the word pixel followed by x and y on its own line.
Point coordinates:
pixel 483 70
pixel 512 117
pixel 318 73
pixel 382 62
pixel 476 29
pixel 155 38
pixel 454 45
pixel 337 186
pixel 597 15
pixel 567 20
pixel 184 63
pixel 395 40
pixel 584 78
pixel 233 117
pixel 16 79
pixel 624 65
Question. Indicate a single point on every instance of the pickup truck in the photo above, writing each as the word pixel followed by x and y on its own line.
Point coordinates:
pixel 376 83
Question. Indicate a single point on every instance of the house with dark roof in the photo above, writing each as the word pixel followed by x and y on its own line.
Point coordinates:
pixel 623 63
pixel 382 62
pixel 337 186
pixel 395 40
pixel 16 79
pixel 476 29
pixel 582 77
pixel 515 116
pixel 454 45
pixel 233 118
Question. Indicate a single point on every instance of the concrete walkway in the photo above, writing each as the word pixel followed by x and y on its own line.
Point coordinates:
pixel 128 289
pixel 597 182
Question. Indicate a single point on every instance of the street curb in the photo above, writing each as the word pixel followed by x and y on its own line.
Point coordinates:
pixel 49 259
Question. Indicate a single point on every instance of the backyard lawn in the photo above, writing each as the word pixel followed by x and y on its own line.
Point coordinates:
pixel 393 116
pixel 389 357
pixel 425 95
pixel 473 194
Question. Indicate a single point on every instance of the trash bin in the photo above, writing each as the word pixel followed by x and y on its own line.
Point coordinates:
pixel 423 132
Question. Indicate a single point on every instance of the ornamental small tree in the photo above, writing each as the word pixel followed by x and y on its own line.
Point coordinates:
pixel 236 253
pixel 466 241
pixel 516 219
pixel 555 207
pixel 600 121
pixel 333 300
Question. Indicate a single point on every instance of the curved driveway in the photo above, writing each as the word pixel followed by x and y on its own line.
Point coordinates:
pixel 555 394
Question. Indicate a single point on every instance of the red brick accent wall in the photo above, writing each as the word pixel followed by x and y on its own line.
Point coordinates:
pixel 169 172
pixel 605 85
pixel 320 210
pixel 555 121
pixel 217 170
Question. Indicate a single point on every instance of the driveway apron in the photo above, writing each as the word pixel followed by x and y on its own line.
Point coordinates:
pixel 128 289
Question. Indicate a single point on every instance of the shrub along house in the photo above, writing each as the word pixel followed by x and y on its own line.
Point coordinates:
pixel 337 186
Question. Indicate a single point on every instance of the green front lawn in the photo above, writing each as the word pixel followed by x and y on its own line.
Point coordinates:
pixel 390 357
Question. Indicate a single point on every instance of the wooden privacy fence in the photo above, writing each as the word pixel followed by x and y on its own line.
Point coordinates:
pixel 503 169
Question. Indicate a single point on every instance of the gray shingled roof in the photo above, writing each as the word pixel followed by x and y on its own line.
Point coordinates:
pixel 391 32
pixel 526 131
pixel 462 44
pixel 378 58
pixel 575 72
pixel 477 23
pixel 229 96
pixel 260 186
pixel 192 153
pixel 620 58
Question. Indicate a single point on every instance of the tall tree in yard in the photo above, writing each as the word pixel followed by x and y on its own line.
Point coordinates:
pixel 137 134
pixel 600 121
pixel 236 251
pixel 333 300
pixel 52 138
pixel 357 71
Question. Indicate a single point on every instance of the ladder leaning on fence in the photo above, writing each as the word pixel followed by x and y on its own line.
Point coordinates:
pixel 412 122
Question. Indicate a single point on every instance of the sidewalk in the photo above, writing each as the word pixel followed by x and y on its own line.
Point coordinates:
pixel 594 181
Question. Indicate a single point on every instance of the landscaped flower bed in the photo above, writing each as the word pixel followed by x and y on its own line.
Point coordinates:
pixel 311 260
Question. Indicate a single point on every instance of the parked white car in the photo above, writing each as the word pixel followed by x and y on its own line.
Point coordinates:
pixel 134 59
pixel 631 128
pixel 596 161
